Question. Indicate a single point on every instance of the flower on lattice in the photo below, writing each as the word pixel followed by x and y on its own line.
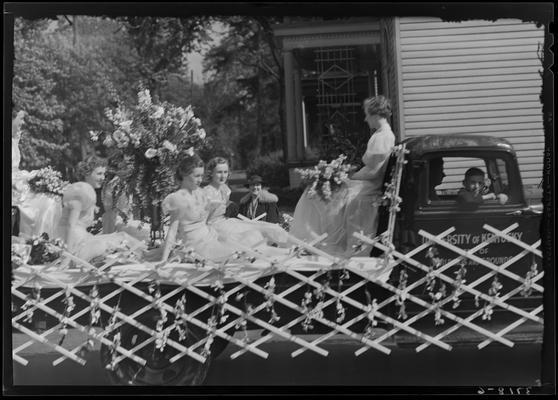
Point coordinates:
pixel 495 288
pixel 211 326
pixel 113 318
pixel 95 312
pixel 161 335
pixel 458 283
pixel 340 311
pixel 487 311
pixel 114 345
pixel 438 320
pixel 325 178
pixel 243 324
pixel 270 300
pixel 31 300
pixel 402 295
pixel 477 298
pixel 180 323
pixel 371 309
pixel 527 287
pixel 306 310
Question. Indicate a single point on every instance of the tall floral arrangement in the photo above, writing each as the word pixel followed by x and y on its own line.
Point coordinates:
pixel 326 178
pixel 145 144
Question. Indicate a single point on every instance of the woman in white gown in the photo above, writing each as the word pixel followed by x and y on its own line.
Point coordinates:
pixel 249 233
pixel 79 201
pixel 352 208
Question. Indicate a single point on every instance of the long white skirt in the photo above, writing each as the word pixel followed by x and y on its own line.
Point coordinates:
pixel 351 209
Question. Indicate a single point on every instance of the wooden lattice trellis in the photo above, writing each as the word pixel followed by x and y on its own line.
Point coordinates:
pixel 221 291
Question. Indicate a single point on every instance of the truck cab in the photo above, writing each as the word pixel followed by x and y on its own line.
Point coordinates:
pixel 432 178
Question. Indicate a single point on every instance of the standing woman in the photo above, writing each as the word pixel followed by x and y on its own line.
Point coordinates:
pixel 352 208
pixel 78 209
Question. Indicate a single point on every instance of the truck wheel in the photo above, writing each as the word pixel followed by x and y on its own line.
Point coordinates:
pixel 158 370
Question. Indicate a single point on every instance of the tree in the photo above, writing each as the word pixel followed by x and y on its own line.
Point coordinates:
pixel 162 43
pixel 247 71
pixel 36 73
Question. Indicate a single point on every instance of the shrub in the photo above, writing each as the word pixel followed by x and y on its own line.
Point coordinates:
pixel 271 168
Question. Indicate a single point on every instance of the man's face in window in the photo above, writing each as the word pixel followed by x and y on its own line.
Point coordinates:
pixel 474 183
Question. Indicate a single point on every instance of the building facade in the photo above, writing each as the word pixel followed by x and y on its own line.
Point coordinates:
pixel 471 77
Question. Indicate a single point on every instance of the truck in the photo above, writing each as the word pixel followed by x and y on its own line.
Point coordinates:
pixel 428 183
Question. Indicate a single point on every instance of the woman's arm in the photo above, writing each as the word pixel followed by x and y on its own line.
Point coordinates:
pixel 170 240
pixel 68 235
pixel 378 149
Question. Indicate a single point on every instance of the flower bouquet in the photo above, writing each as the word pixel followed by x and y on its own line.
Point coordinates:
pixel 325 178
pixel 36 251
pixel 144 146
pixel 47 180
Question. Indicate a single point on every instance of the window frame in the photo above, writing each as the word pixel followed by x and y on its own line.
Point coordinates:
pixel 512 171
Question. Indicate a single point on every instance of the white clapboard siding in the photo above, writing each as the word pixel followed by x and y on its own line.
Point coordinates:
pixel 474 77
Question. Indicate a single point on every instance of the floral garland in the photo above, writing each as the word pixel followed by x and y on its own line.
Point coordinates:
pixel 146 144
pixel 47 180
pixel 325 178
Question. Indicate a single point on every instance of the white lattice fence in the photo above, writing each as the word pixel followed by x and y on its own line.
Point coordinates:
pixel 221 308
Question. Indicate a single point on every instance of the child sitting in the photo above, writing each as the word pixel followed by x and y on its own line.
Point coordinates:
pixel 475 192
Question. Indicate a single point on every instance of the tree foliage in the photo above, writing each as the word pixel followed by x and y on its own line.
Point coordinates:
pixel 246 82
pixel 67 71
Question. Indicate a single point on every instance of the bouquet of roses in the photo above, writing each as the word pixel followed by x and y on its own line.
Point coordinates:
pixel 47 180
pixel 326 178
pixel 146 143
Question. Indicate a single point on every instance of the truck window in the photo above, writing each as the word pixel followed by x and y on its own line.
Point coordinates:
pixel 446 175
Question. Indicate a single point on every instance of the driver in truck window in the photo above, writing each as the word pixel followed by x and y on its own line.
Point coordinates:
pixel 436 176
pixel 474 191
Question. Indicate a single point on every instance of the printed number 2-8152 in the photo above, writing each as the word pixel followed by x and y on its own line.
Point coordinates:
pixel 502 390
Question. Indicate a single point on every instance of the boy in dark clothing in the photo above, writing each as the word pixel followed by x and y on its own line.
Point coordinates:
pixel 259 201
pixel 474 192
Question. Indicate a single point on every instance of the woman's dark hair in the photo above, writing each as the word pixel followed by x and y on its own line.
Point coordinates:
pixel 87 166
pixel 187 164
pixel 378 105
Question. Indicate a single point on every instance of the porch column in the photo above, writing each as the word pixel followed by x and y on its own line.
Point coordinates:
pixel 290 106
pixel 298 115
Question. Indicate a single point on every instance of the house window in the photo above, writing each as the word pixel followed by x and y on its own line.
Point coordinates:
pixel 334 83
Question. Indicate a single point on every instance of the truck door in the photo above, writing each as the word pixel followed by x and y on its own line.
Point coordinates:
pixel 438 210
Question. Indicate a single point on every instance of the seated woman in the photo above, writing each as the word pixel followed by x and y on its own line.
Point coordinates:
pixel 79 201
pixel 250 233
pixel 259 201
pixel 354 208
pixel 189 210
